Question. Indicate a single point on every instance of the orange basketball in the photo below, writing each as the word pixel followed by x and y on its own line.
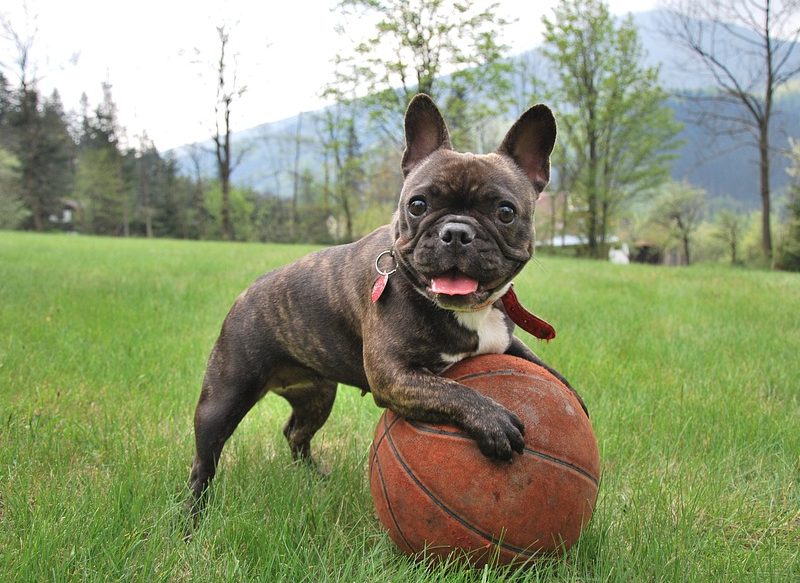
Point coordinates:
pixel 435 492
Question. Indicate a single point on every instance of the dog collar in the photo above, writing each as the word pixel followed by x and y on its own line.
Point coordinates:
pixel 524 319
pixel 529 322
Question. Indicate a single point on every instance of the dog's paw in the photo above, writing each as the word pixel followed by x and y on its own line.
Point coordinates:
pixel 499 433
pixel 313 466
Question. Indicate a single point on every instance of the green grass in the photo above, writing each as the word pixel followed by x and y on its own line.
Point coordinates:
pixel 692 377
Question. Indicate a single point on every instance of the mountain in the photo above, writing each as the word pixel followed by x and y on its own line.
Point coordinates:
pixel 725 165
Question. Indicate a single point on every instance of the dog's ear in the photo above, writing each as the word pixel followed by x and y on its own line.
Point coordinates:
pixel 529 143
pixel 426 132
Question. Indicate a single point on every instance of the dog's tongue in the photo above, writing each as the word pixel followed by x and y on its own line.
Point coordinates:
pixel 453 285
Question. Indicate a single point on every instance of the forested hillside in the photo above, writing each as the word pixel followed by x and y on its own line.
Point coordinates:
pixel 724 165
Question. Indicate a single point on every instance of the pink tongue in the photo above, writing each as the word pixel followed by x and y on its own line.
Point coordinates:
pixel 453 285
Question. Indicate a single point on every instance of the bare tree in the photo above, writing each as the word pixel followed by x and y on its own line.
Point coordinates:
pixel 747 48
pixel 22 41
pixel 228 90
pixel 344 162
pixel 278 147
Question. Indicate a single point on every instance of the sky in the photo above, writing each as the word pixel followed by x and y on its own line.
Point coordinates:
pixel 158 56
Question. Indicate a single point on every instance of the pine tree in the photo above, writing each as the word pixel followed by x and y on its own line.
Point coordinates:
pixel 101 182
pixel 40 141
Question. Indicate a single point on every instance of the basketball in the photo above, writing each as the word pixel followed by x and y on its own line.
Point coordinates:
pixel 435 492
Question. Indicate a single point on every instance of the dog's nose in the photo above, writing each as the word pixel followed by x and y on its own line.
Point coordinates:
pixel 457 234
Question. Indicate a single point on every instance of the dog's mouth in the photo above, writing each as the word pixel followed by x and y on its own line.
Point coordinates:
pixel 454 290
pixel 453 283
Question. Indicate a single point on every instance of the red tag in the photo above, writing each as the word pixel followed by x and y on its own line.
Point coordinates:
pixel 524 319
pixel 379 286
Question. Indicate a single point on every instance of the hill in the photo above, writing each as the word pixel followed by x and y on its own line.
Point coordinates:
pixel 724 165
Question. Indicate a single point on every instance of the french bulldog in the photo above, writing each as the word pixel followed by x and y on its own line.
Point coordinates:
pixel 390 311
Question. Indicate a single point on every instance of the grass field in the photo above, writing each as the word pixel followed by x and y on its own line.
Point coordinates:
pixel 692 377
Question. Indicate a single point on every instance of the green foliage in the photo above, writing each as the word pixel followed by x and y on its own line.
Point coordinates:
pixel 616 132
pixel 12 208
pixel 242 207
pixel 789 257
pixel 344 162
pixel 445 48
pixel 679 209
pixel 690 377
pixel 102 192
pixel 789 251
pixel 730 226
pixel 37 135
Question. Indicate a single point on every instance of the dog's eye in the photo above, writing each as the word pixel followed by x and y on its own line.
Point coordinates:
pixel 417 206
pixel 506 213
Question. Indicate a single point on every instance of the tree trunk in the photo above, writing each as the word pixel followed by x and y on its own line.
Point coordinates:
pixel 603 228
pixel 126 220
pixel 348 220
pixel 148 212
pixel 227 227
pixel 224 160
pixel 37 212
pixel 592 226
pixel 686 249
pixel 296 172
pixel 592 189
pixel 766 230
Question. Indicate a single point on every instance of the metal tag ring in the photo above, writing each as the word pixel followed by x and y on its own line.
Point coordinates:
pixel 378 259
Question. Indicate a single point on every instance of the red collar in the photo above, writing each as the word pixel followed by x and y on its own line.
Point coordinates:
pixel 524 319
pixel 519 315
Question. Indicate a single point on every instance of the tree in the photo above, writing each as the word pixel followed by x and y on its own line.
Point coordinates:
pixel 789 256
pixel 344 161
pixel 616 132
pixel 102 181
pixel 730 227
pixel 746 46
pixel 679 209
pixel 228 90
pixel 445 48
pixel 160 197
pixel 5 109
pixel 12 208
pixel 36 134
pixel 41 143
pixel 242 210
pixel 146 175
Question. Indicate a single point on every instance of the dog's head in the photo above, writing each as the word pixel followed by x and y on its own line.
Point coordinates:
pixel 464 225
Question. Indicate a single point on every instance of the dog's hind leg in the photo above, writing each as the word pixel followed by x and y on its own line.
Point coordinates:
pixel 230 389
pixel 311 405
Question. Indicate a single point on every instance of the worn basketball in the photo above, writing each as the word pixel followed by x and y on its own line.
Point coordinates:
pixel 436 493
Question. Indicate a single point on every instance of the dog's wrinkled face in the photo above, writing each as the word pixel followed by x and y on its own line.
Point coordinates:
pixel 464 225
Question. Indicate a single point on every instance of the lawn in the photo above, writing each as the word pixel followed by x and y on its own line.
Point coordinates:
pixel 692 377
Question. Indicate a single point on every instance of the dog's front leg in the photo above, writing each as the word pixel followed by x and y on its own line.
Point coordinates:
pixel 421 395
pixel 520 349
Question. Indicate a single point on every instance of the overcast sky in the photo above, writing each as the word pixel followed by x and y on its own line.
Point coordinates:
pixel 145 49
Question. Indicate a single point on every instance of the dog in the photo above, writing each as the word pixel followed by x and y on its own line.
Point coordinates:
pixel 390 311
